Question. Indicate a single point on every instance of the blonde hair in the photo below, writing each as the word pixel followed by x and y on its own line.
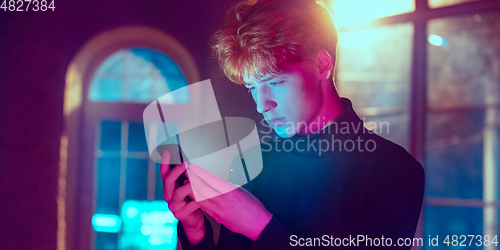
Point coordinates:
pixel 260 37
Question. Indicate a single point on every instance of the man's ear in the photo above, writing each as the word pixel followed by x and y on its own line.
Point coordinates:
pixel 324 64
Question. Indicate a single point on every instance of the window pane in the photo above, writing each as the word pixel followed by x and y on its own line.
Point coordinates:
pixel 374 66
pixel 159 86
pixel 137 179
pixel 108 185
pixel 182 95
pixel 105 88
pixel 113 66
pixel 356 11
pixel 454 154
pixel 167 66
pixel 106 241
pixel 110 135
pixel 463 98
pixel 443 3
pixel 137 75
pixel 139 61
pixel 463 60
pixel 158 183
pixel 140 88
pixel 374 72
pixel 443 221
pixel 136 138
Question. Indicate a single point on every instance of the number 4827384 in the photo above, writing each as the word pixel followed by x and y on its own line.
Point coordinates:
pixel 27 5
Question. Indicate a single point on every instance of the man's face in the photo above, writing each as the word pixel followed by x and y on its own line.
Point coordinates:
pixel 288 101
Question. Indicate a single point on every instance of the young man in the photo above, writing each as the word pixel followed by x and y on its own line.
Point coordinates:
pixel 338 185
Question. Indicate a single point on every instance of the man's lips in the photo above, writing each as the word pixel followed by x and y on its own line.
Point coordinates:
pixel 275 121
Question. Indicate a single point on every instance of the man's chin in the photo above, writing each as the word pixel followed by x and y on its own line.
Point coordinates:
pixel 283 132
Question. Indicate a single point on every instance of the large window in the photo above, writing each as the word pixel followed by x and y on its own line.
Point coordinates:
pixel 110 192
pixel 462 124
pixel 432 72
pixel 130 212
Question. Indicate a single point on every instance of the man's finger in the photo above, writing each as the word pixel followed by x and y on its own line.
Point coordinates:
pixel 165 164
pixel 181 192
pixel 170 178
pixel 188 209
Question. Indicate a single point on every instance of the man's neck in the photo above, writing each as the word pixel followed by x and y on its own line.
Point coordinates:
pixel 332 108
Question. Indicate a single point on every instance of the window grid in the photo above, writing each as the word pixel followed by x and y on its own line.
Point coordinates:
pixel 120 148
pixel 123 161
pixel 419 105
pixel 125 79
pixel 124 154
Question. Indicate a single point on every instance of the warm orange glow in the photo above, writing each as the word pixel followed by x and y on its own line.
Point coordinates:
pixel 360 11
pixel 73 90
pixel 61 195
pixel 443 3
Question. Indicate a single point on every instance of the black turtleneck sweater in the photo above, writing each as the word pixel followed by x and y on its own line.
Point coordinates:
pixel 365 186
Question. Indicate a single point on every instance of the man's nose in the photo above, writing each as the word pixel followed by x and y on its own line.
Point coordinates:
pixel 264 101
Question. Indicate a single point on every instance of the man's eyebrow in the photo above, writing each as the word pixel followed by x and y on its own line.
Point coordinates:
pixel 268 78
pixel 261 80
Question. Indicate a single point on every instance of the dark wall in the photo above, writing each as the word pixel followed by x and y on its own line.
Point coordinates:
pixel 35 50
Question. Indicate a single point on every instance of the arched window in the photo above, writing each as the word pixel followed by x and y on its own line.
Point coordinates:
pixel 118 192
pixel 129 187
pixel 137 75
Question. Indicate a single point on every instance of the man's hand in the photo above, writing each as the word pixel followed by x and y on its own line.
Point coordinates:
pixel 235 208
pixel 189 214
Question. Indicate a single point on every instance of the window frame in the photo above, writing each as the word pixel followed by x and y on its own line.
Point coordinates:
pixel 418 86
pixel 77 165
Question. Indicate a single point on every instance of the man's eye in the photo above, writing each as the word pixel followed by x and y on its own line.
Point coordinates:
pixel 250 89
pixel 274 83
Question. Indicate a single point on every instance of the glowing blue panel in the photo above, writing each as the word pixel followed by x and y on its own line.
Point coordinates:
pixel 108 223
pixel 147 225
